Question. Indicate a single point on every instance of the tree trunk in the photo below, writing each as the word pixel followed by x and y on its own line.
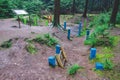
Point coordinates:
pixel 85 10
pixel 114 12
pixel 56 13
pixel 73 7
pixel 92 5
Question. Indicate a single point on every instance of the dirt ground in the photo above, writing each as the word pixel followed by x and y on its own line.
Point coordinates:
pixel 17 64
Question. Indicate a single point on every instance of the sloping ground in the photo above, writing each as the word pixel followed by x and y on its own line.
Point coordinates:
pixel 7 31
pixel 114 74
pixel 17 64
pixel 116 49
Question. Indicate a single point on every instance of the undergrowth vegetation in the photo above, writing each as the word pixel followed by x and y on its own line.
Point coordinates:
pixel 105 57
pixel 112 74
pixel 102 37
pixel 101 32
pixel 31 48
pixel 46 39
pixel 6 44
pixel 111 70
pixel 32 19
pixel 73 69
pixel 118 18
pixel 100 19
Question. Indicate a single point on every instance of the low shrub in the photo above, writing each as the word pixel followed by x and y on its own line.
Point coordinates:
pixel 46 39
pixel 7 44
pixel 31 19
pixel 108 64
pixel 73 69
pixel 31 48
pixel 100 19
pixel 101 37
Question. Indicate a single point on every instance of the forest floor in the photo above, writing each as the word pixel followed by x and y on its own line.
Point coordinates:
pixel 17 64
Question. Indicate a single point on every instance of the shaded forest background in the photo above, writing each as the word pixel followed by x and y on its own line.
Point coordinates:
pixel 47 6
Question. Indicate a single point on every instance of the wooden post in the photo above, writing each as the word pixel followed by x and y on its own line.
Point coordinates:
pixel 80 27
pixel 92 53
pixel 99 66
pixel 57 49
pixel 87 34
pixel 69 34
pixel 64 25
pixel 52 61
pixel 19 22
pixel 29 20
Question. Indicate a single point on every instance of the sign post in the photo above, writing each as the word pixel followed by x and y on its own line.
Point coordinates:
pixel 19 21
pixel 18 13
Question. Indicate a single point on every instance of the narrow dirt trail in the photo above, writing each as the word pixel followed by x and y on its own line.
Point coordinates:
pixel 78 53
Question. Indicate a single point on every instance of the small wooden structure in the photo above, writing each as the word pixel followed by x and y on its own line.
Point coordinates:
pixel 49 18
pixel 61 57
pixel 18 13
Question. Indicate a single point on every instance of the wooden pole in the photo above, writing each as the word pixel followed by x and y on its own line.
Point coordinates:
pixel 80 28
pixel 29 20
pixel 68 34
pixel 19 22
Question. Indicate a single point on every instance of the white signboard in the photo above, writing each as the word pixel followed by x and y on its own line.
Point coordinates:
pixel 20 12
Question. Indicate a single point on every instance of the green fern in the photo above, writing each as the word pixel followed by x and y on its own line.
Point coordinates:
pixel 108 64
pixel 31 48
pixel 73 69
pixel 46 39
